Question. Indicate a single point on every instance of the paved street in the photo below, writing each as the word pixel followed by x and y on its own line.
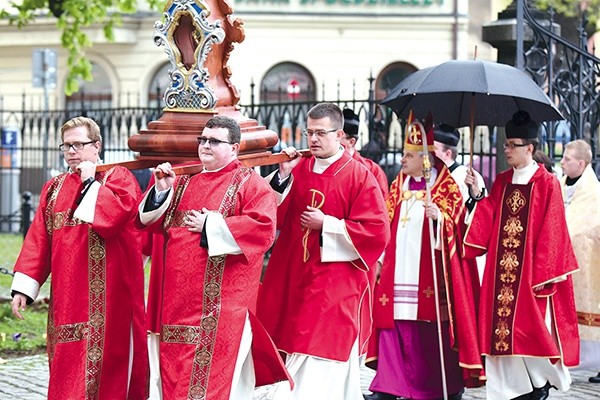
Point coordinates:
pixel 27 379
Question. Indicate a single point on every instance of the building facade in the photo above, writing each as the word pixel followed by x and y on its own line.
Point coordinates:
pixel 293 49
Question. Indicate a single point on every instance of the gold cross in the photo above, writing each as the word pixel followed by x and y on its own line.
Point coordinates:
pixel 384 299
pixel 428 292
pixel 404 220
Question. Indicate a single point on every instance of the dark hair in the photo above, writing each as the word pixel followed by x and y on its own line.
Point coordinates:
pixel 542 158
pixel 221 121
pixel 534 142
pixel 324 110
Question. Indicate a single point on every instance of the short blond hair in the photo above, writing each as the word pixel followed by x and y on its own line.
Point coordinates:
pixel 581 150
pixel 90 124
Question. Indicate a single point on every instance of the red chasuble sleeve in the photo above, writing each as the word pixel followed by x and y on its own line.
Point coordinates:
pixel 35 257
pixel 257 215
pixel 117 201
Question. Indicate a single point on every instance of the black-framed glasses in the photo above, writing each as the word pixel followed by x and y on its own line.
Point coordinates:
pixel 75 145
pixel 319 132
pixel 211 141
pixel 512 146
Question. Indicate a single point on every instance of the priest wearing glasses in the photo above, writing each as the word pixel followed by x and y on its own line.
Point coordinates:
pixel 217 226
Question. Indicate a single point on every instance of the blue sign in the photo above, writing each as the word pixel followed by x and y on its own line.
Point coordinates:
pixel 9 137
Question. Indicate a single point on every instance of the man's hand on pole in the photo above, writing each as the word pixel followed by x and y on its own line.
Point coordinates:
pixel 164 176
pixel 471 182
pixel 285 168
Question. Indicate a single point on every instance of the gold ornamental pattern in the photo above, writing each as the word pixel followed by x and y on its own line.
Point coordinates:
pixel 513 230
pixel 71 332
pixel 171 211
pixel 509 259
pixel 184 334
pixel 516 201
pixel 97 311
pixel 51 197
pixel 588 319
pixel 211 299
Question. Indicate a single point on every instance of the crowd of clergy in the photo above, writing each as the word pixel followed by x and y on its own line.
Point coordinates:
pixel 298 279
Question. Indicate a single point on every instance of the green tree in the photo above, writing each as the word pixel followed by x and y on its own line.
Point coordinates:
pixel 573 8
pixel 73 16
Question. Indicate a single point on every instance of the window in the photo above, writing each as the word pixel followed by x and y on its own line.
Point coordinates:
pixel 92 94
pixel 286 82
pixel 158 86
pixel 390 76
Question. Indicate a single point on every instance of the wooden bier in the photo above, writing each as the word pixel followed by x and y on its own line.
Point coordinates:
pixel 249 160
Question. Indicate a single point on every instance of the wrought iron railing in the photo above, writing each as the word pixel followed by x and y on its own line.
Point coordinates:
pixel 570 74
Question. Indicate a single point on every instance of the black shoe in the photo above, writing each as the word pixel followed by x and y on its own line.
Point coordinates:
pixel 456 396
pixel 379 396
pixel 595 379
pixel 541 393
pixel 526 396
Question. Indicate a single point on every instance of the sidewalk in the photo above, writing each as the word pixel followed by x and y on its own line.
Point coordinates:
pixel 27 379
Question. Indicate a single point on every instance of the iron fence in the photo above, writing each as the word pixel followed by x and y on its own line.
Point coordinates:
pixel 29 153
pixel 29 161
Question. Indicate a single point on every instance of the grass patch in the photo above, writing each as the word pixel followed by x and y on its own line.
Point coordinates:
pixel 23 337
pixel 10 245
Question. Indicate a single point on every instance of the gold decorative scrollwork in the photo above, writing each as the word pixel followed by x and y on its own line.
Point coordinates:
pixel 516 201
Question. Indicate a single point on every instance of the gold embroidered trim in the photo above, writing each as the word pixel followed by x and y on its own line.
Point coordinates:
pixel 204 336
pixel 510 254
pixel 97 312
pixel 588 319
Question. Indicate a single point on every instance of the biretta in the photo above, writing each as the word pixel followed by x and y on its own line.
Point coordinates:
pixel 446 134
pixel 521 127
pixel 351 123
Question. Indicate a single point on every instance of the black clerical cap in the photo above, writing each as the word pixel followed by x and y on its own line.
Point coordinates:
pixel 351 123
pixel 521 127
pixel 446 134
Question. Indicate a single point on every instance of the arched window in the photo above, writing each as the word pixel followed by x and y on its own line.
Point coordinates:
pixel 158 85
pixel 286 82
pixel 390 76
pixel 94 94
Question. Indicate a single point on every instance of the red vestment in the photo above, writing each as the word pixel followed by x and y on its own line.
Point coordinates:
pixel 206 299
pixel 375 170
pixel 523 230
pixel 313 307
pixel 366 306
pixel 153 245
pixel 457 277
pixel 97 287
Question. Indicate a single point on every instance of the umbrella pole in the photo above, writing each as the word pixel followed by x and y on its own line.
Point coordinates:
pixel 471 130
pixel 427 176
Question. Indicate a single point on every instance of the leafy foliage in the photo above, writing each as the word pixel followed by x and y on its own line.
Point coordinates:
pixel 573 8
pixel 73 16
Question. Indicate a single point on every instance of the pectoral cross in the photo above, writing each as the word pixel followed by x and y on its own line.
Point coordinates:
pixel 384 299
pixel 404 220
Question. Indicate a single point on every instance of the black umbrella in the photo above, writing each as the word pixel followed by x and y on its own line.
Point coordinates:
pixel 471 93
